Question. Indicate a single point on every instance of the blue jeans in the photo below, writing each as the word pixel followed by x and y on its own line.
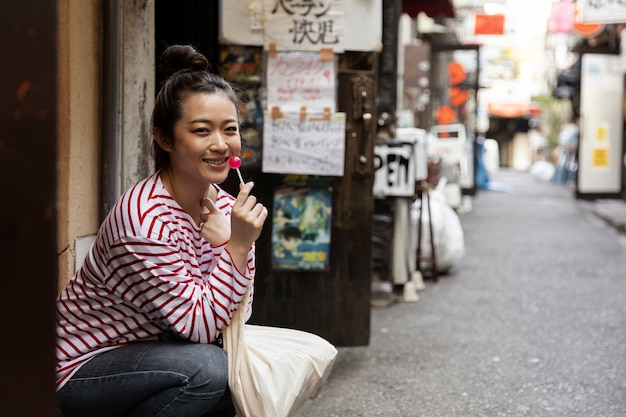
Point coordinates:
pixel 151 379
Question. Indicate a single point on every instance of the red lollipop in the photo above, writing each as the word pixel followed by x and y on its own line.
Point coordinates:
pixel 235 163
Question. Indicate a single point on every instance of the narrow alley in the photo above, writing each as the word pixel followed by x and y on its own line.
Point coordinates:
pixel 531 322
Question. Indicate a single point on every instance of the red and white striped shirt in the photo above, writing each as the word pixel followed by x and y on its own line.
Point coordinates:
pixel 149 271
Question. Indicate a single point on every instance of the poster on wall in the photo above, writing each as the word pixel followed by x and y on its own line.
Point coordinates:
pixel 243 66
pixel 301 229
pixel 301 79
pixel 313 146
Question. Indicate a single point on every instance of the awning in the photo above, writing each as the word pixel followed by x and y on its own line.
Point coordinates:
pixel 432 8
pixel 513 110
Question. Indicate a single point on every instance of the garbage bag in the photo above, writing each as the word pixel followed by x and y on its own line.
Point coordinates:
pixel 447 232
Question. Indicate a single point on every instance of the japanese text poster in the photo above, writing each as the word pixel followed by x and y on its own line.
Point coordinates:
pixel 301 25
pixel 295 146
pixel 300 79
pixel 243 22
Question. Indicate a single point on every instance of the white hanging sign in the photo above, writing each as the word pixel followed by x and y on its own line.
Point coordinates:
pixel 292 145
pixel 602 11
pixel 243 23
pixel 300 79
pixel 303 25
pixel 394 169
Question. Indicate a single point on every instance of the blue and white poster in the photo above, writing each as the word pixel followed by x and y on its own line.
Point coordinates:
pixel 301 227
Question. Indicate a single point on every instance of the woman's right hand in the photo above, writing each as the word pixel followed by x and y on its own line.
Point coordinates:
pixel 247 217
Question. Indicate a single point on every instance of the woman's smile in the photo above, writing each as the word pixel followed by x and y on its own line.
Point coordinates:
pixel 215 161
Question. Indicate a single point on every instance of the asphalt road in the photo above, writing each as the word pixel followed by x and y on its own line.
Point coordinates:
pixel 531 322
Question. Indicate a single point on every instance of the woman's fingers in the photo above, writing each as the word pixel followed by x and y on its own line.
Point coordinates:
pixel 248 215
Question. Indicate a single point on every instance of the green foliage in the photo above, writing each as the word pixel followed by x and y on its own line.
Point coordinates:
pixel 554 114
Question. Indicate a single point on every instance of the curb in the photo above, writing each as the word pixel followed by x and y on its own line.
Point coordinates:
pixel 613 212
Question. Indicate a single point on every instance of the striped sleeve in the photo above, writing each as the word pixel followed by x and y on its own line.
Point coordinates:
pixel 154 278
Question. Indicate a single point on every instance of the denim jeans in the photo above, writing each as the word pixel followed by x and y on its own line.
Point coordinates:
pixel 151 379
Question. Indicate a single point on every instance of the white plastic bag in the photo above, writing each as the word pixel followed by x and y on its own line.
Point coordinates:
pixel 447 230
pixel 273 371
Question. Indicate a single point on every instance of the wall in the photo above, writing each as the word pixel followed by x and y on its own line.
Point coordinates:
pixel 79 75
pixel 81 69
pixel 138 87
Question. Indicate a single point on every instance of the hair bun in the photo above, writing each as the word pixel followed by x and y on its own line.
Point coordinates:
pixel 182 57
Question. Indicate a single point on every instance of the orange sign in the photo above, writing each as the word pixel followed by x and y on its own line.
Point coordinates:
pixel 456 73
pixel 507 109
pixel 457 96
pixel 489 24
pixel 586 29
pixel 445 115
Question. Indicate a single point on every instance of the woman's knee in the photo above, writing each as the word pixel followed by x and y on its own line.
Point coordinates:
pixel 207 367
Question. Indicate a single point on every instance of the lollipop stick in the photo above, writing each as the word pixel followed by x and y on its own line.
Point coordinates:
pixel 235 162
pixel 240 177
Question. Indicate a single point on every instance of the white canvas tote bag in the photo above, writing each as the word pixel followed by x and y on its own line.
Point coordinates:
pixel 272 370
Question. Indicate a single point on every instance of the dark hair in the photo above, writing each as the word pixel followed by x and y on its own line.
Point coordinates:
pixel 290 232
pixel 186 71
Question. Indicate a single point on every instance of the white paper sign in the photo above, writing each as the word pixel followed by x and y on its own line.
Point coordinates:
pixel 304 25
pixel 300 79
pixel 363 24
pixel 313 147
pixel 602 11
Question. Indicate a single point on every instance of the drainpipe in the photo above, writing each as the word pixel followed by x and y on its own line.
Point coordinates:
pixel 112 118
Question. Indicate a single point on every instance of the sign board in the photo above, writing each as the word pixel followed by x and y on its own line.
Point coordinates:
pixel 300 79
pixel 489 24
pixel 601 11
pixel 394 169
pixel 304 25
pixel 314 146
pixel 419 138
pixel 454 149
pixel 600 149
pixel 242 23
pixel 561 16
pixel 449 143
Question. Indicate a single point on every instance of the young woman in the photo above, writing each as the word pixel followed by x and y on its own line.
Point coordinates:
pixel 138 323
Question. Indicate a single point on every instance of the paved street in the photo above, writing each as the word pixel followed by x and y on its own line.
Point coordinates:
pixel 531 322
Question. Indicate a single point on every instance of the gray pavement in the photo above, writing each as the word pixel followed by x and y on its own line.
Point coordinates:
pixel 611 211
pixel 531 322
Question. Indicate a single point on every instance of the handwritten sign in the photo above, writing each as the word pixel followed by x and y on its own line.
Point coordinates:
pixel 313 147
pixel 394 169
pixel 304 25
pixel 297 79
pixel 242 25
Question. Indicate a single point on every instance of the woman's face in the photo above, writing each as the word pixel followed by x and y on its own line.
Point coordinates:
pixel 205 137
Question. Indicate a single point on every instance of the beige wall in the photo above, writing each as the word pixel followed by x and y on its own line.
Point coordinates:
pixel 79 82
pixel 80 115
